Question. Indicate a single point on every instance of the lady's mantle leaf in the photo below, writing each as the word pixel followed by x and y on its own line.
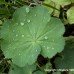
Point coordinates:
pixel 51 38
pixel 70 15
pixel 56 72
pixel 30 32
pixel 67 59
pixel 71 72
pixel 22 70
pixel 39 72
pixel 20 34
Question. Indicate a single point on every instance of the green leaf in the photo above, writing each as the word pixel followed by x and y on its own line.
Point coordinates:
pixel 71 72
pixel 72 1
pixel 20 35
pixel 62 2
pixel 56 72
pixel 70 15
pixel 39 72
pixel 0 22
pixel 56 12
pixel 22 70
pixel 67 59
pixel 47 1
pixel 30 32
pixel 52 40
pixel 49 5
pixel 47 66
pixel 2 1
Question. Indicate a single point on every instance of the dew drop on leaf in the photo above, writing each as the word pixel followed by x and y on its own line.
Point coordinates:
pixel 43 46
pixel 44 17
pixel 53 40
pixel 27 9
pixel 22 24
pixel 13 38
pixel 19 54
pixel 47 47
pixel 35 15
pixel 22 35
pixel 16 23
pixel 16 35
pixel 46 37
pixel 36 50
pixel 24 19
pixel 28 21
pixel 52 48
pixel 13 30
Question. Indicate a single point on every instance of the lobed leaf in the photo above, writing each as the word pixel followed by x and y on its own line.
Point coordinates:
pixel 70 15
pixel 31 32
pixel 67 59
pixel 71 72
pixel 62 2
pixel 39 72
pixel 52 40
pixel 56 72
pixel 22 70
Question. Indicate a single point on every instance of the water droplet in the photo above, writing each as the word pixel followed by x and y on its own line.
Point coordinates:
pixel 12 60
pixel 52 48
pixel 8 26
pixel 48 12
pixel 6 51
pixel 44 17
pixel 32 55
pixel 47 47
pixel 19 54
pixel 36 50
pixel 46 37
pixel 43 46
pixel 13 30
pixel 22 24
pixel 13 38
pixel 16 35
pixel 35 15
pixel 22 35
pixel 53 40
pixel 24 19
pixel 28 21
pixel 27 9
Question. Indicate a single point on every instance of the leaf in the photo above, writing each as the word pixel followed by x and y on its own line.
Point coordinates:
pixel 67 59
pixel 52 7
pixel 30 32
pixel 39 72
pixel 47 1
pixel 2 1
pixel 70 15
pixel 20 35
pixel 49 5
pixel 52 39
pixel 56 12
pixel 56 72
pixel 0 22
pixel 71 72
pixel 47 66
pixel 4 11
pixel 72 1
pixel 22 70
pixel 61 2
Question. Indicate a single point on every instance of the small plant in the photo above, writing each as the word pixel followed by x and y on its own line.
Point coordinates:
pixel 35 30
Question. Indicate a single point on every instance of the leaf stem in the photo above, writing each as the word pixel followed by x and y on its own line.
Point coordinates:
pixel 50 6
